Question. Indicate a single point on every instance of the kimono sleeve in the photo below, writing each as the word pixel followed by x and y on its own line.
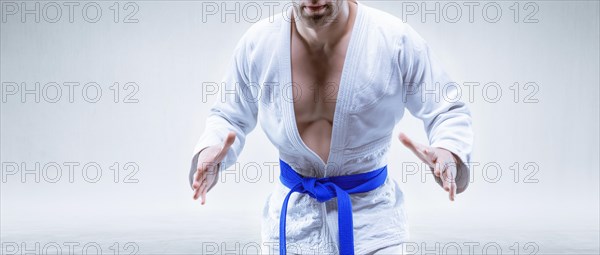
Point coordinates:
pixel 235 110
pixel 431 96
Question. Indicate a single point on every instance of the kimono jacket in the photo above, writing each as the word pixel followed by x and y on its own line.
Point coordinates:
pixel 388 67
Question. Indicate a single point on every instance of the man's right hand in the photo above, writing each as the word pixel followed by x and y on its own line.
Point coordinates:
pixel 207 168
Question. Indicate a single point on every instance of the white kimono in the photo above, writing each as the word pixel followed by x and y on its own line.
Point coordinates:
pixel 386 67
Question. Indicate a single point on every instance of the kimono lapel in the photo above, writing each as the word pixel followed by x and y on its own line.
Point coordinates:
pixel 339 130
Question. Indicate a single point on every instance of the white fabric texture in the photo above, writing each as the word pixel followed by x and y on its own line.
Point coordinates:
pixel 386 69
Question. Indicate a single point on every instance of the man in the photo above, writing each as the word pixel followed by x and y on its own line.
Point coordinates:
pixel 328 80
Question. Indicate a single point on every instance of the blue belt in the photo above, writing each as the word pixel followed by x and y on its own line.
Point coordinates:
pixel 324 189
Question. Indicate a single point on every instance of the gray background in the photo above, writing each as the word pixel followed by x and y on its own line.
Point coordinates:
pixel 552 142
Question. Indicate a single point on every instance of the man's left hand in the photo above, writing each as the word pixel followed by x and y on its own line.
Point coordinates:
pixel 442 161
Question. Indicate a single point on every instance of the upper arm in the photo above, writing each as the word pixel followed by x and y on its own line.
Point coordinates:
pixel 432 96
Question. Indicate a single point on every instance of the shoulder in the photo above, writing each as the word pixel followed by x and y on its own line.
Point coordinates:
pixel 262 33
pixel 392 28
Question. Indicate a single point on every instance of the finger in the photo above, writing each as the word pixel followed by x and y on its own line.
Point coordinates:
pixel 452 186
pixel 198 191
pixel 407 141
pixel 200 172
pixel 438 169
pixel 201 176
pixel 416 148
pixel 431 155
pixel 453 191
pixel 204 188
pixel 440 172
pixel 197 185
pixel 446 180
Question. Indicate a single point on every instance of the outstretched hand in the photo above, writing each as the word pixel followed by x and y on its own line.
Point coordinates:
pixel 440 160
pixel 207 168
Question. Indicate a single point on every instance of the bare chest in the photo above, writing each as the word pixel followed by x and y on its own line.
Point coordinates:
pixel 316 82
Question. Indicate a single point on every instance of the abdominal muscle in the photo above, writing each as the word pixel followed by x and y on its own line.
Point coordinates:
pixel 317 136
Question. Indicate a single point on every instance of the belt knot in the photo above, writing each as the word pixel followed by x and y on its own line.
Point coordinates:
pixel 319 189
pixel 324 189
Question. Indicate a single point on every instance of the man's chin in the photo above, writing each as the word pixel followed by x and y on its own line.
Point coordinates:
pixel 316 18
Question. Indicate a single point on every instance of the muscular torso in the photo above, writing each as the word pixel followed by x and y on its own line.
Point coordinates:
pixel 316 75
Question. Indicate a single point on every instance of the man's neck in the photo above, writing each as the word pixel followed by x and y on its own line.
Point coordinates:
pixel 323 38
